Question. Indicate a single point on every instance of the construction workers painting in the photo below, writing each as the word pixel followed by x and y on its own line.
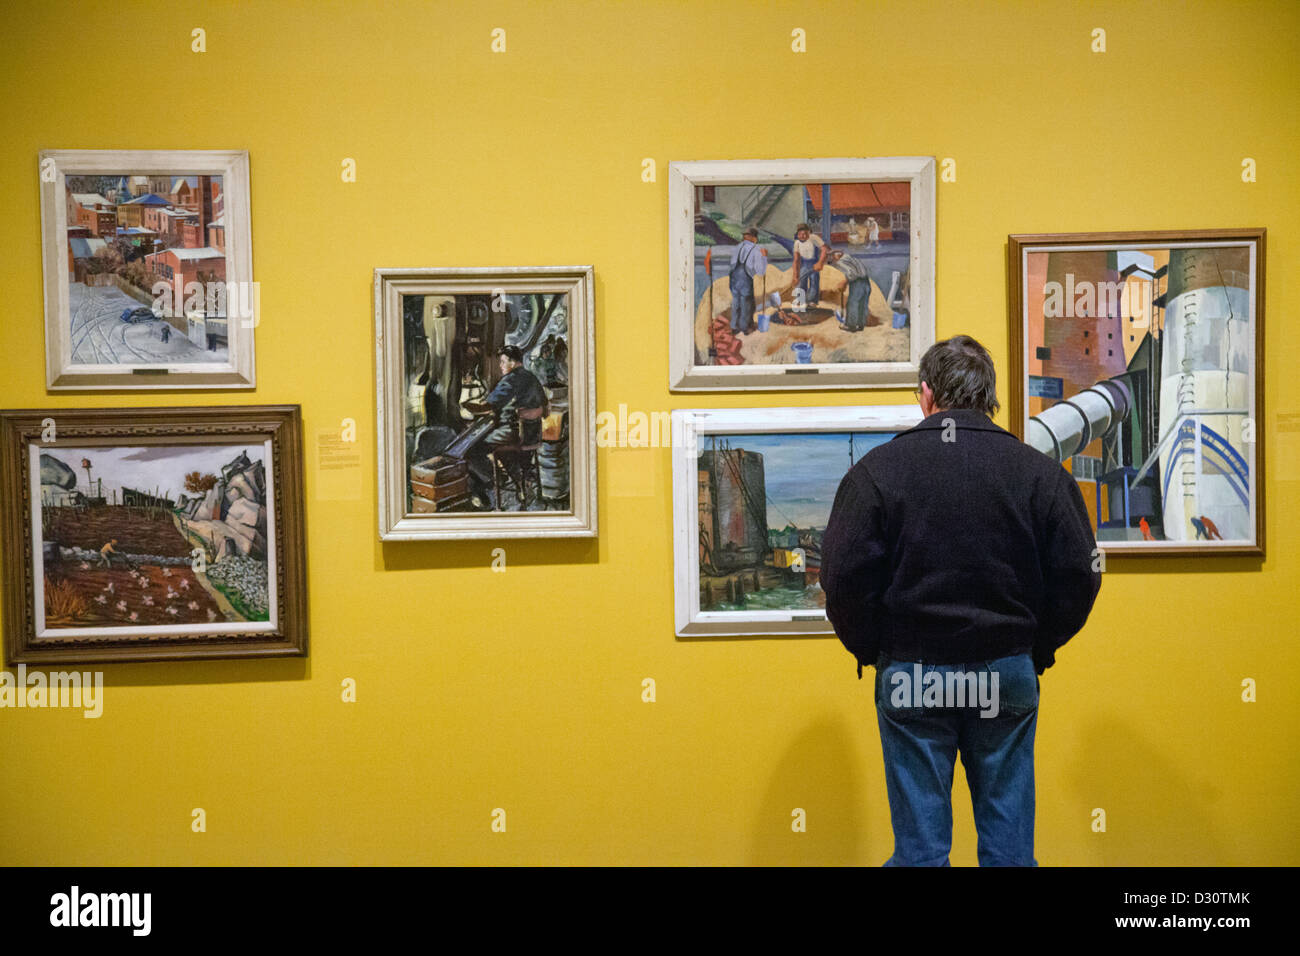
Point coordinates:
pixel 802 273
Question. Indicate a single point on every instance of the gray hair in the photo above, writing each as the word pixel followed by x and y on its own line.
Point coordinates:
pixel 960 373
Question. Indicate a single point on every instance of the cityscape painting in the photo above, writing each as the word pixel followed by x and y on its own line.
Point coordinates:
pixel 753 489
pixel 787 279
pixel 1138 372
pixel 147 282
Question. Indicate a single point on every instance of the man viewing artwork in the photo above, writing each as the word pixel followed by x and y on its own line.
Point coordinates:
pixel 957 560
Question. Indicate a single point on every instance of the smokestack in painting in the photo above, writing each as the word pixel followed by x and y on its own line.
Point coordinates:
pixel 739 507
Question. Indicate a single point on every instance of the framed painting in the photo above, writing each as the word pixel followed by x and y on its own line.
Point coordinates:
pixel 1137 362
pixel 486 404
pixel 148 534
pixel 800 273
pixel 148 268
pixel 752 492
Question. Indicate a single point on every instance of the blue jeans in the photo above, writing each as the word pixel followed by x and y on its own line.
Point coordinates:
pixel 921 733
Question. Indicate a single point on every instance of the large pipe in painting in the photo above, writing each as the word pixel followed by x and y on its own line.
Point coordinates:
pixel 1069 426
pixel 1205 363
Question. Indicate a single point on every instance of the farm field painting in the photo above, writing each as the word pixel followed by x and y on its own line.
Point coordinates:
pixel 166 537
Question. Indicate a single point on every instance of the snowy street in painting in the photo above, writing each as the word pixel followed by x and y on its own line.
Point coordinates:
pixel 100 335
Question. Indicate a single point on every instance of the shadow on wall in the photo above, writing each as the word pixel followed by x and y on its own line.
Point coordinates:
pixel 1143 792
pixel 815 774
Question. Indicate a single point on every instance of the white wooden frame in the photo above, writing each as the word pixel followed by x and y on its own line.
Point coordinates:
pixel 232 165
pixel 395 524
pixel 690 426
pixel 683 177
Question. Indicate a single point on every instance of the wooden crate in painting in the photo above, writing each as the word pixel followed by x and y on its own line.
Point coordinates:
pixel 439 484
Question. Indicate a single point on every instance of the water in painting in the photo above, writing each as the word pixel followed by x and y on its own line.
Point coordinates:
pixel 764 500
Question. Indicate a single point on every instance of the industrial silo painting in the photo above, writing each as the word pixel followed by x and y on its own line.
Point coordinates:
pixel 1138 373
pixel 754 490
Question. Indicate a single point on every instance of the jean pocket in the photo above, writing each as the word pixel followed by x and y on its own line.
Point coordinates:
pixel 898 690
pixel 1014 685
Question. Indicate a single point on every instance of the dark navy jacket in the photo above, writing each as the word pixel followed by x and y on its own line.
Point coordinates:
pixel 518 388
pixel 958 551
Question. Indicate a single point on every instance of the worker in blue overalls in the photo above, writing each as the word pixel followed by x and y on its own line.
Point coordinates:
pixel 747 261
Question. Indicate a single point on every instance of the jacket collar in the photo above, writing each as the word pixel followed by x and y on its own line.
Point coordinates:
pixel 968 418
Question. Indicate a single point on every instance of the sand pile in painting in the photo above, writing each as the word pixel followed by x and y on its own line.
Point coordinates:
pixel 830 342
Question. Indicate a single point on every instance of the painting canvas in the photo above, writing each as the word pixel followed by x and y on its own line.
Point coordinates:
pixel 753 490
pixel 119 525
pixel 789 279
pixel 1138 370
pixel 148 542
pixel 147 269
pixel 487 393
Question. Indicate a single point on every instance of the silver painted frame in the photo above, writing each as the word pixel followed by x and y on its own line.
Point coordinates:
pixel 60 372
pixel 397 525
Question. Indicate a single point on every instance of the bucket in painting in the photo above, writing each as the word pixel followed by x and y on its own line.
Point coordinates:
pixel 763 321
pixel 803 352
pixel 900 319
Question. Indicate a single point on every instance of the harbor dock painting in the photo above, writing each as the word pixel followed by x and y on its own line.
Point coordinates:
pixel 1139 374
pixel 761 500
pixel 788 278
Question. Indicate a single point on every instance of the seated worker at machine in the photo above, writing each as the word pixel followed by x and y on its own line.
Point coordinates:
pixel 517 389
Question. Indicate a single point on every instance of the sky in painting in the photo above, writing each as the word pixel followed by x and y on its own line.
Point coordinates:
pixel 145 467
pixel 802 471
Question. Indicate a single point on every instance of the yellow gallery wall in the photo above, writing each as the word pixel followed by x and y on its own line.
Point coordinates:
pixel 522 690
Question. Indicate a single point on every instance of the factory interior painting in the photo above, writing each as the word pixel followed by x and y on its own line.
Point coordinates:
pixel 487 402
pixel 170 537
pixel 764 500
pixel 802 273
pixel 1140 380
pixel 137 248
